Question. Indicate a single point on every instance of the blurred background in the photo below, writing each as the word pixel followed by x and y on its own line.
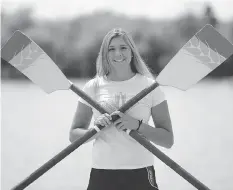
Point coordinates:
pixel 71 32
pixel 35 126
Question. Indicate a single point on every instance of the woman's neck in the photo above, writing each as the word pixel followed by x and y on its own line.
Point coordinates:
pixel 120 76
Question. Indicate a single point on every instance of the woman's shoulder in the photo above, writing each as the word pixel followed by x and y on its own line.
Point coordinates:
pixel 91 83
pixel 145 79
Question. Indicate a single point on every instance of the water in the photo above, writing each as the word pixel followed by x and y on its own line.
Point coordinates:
pixel 35 127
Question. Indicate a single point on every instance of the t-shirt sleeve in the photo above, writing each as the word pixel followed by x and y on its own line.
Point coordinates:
pixel 89 90
pixel 158 96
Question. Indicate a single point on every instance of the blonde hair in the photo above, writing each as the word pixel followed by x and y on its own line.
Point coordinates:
pixel 137 64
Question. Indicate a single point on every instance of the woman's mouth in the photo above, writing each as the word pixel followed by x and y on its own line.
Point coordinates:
pixel 118 61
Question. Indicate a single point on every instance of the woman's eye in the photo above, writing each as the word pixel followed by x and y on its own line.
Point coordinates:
pixel 111 49
pixel 124 48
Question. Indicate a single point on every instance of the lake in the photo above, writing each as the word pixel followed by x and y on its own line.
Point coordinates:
pixel 35 127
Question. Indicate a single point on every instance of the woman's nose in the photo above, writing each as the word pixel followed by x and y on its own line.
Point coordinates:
pixel 118 53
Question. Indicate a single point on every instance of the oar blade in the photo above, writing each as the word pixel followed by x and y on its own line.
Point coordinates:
pixel 204 52
pixel 26 56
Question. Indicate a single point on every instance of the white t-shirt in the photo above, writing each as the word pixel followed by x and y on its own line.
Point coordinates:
pixel 113 148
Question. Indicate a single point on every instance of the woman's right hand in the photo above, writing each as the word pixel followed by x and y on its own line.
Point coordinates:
pixel 104 120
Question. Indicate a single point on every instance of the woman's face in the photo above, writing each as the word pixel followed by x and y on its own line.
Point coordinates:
pixel 119 53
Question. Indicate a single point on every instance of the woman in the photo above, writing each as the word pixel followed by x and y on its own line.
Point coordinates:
pixel 119 162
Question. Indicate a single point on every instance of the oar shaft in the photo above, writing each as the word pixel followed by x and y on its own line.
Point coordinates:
pixel 124 107
pixel 48 165
pixel 144 142
pixel 168 161
pixel 52 162
pixel 90 133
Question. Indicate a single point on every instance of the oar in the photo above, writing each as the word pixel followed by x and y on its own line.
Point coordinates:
pixel 65 84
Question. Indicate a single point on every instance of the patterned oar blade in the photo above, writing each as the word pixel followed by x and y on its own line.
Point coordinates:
pixel 205 51
pixel 26 56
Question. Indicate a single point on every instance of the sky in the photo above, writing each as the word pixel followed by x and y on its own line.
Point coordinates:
pixel 52 9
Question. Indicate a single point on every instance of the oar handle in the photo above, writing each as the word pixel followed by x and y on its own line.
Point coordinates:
pixel 122 109
pixel 144 142
pixel 39 172
pixel 90 133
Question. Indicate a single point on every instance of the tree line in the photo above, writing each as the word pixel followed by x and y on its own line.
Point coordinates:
pixel 74 44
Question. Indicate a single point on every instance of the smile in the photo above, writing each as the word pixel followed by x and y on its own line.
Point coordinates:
pixel 119 60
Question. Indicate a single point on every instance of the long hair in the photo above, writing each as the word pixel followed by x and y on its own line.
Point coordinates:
pixel 137 64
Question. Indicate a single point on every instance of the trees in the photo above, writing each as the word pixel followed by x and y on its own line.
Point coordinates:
pixel 74 44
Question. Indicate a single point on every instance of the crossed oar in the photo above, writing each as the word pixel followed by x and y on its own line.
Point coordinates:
pixel 40 69
pixel 90 133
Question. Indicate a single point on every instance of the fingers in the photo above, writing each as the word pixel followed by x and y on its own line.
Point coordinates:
pixel 117 122
pixel 120 126
pixel 109 117
pixel 104 120
pixel 120 114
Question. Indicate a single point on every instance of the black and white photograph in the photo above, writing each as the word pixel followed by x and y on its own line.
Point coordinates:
pixel 116 94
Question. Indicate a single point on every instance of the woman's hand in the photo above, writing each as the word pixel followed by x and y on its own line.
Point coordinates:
pixel 104 120
pixel 125 121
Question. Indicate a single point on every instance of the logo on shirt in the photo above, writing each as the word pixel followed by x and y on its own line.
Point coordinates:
pixel 114 103
pixel 120 99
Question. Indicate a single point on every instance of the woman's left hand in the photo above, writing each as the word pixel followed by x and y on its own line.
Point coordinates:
pixel 125 121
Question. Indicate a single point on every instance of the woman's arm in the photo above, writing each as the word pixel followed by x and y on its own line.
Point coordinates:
pixel 162 133
pixel 81 122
